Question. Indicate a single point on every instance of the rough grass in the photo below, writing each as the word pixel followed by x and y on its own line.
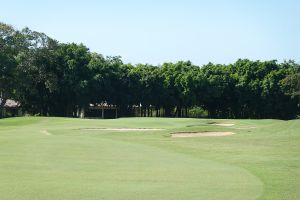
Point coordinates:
pixel 71 163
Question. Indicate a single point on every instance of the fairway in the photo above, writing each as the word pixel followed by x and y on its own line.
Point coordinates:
pixel 137 158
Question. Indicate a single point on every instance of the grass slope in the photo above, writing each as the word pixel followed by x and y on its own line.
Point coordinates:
pixel 56 158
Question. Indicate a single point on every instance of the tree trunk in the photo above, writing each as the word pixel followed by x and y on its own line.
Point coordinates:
pixel 2 111
pixel 167 112
pixel 178 111
pixel 82 113
pixel 186 112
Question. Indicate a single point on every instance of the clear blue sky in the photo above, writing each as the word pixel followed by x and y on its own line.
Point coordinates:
pixel 156 31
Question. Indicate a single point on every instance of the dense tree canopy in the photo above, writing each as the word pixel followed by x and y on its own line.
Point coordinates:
pixel 52 78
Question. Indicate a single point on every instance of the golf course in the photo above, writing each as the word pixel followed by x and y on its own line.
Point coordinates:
pixel 50 158
pixel 150 100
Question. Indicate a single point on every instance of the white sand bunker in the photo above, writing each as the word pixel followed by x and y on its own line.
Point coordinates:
pixel 200 134
pixel 122 129
pixel 46 132
pixel 223 124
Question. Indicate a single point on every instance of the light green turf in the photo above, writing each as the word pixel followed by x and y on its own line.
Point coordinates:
pixel 58 159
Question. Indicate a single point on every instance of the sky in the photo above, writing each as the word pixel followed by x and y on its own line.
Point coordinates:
pixel 157 31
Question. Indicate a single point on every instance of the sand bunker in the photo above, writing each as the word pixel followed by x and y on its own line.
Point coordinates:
pixel 223 124
pixel 46 132
pixel 122 129
pixel 199 134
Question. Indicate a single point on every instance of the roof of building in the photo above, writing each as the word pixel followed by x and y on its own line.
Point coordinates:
pixel 11 103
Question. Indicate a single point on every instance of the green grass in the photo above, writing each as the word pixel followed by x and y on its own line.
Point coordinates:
pixel 56 158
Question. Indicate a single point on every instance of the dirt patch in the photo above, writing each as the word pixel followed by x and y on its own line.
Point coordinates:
pixel 200 134
pixel 122 129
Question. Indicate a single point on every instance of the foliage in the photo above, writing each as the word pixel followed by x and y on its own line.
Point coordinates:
pixel 57 79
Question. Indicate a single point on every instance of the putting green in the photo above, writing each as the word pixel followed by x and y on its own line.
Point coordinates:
pixel 52 158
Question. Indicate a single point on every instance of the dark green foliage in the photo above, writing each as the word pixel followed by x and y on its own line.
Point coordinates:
pixel 52 78
pixel 291 85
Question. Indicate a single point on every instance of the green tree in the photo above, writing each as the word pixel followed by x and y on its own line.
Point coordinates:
pixel 73 75
pixel 8 51
pixel 36 73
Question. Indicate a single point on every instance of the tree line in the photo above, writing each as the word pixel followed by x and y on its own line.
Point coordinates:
pixel 52 78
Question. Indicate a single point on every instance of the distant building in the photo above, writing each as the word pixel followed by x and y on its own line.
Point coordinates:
pixel 11 108
pixel 101 110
